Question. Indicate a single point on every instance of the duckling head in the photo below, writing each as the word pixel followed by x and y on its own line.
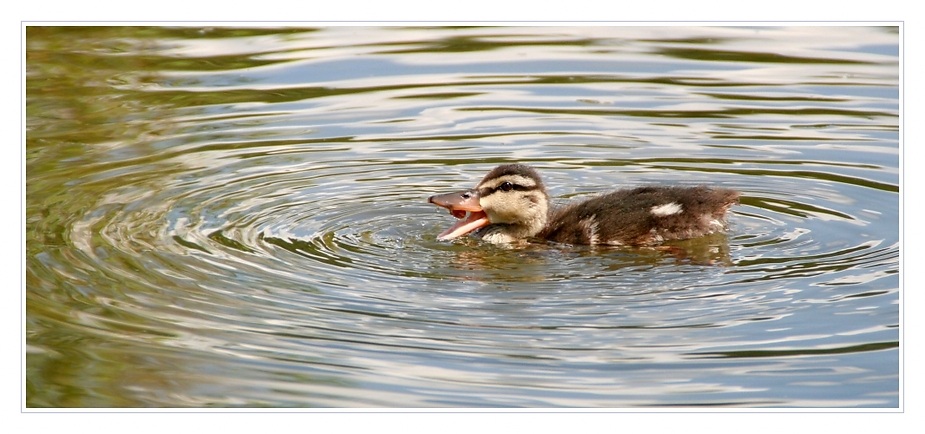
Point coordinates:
pixel 510 203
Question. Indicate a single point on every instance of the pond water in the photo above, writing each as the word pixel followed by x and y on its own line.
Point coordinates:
pixel 238 217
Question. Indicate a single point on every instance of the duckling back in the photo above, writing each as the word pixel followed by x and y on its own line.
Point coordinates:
pixel 641 216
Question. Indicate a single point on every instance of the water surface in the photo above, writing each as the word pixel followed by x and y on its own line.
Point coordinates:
pixel 225 217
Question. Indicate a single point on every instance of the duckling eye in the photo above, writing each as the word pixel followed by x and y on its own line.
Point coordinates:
pixel 507 186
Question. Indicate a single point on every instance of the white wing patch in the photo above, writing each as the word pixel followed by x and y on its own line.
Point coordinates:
pixel 589 225
pixel 666 209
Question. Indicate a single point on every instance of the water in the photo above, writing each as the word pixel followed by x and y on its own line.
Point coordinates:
pixel 225 217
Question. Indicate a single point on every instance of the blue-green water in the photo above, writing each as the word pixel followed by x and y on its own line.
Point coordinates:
pixel 224 217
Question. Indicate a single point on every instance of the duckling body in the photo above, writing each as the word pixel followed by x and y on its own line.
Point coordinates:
pixel 641 216
pixel 511 204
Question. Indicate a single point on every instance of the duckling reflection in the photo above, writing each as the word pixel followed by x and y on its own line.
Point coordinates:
pixel 543 261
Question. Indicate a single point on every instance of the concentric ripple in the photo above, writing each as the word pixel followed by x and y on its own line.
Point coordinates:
pixel 254 230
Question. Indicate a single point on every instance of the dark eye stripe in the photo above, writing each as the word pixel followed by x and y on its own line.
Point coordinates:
pixel 513 186
pixel 505 187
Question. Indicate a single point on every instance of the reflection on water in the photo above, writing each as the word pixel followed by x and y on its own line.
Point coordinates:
pixel 228 217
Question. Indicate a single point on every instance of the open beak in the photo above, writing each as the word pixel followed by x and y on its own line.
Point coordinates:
pixel 463 205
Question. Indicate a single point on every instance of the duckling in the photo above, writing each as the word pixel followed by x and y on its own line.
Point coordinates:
pixel 511 205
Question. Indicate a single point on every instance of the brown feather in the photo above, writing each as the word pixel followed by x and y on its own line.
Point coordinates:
pixel 625 217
